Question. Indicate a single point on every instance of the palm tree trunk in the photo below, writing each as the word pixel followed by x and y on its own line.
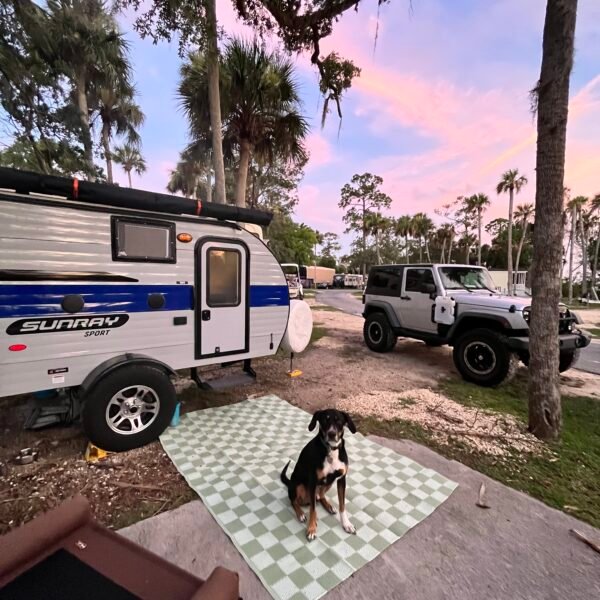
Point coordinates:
pixel 571 250
pixel 595 264
pixel 208 185
pixel 545 416
pixel 509 261
pixel 129 176
pixel 584 255
pixel 214 100
pixel 479 237
pixel 420 249
pixel 427 249
pixel 450 249
pixel 107 155
pixel 523 233
pixel 85 121
pixel 443 253
pixel 406 250
pixel 364 236
pixel 242 178
pixel 377 247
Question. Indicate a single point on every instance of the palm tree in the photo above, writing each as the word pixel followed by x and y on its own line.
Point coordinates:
pixel 119 114
pixel 511 182
pixel 87 42
pixel 477 204
pixel 193 171
pixel 404 228
pixel 260 104
pixel 376 224
pixel 446 235
pixel 130 159
pixel 523 214
pixel 596 206
pixel 577 209
pixel 422 227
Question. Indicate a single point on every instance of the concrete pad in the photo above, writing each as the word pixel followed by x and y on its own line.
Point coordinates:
pixel 519 548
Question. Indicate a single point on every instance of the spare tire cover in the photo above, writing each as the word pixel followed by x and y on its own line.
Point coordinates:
pixel 299 328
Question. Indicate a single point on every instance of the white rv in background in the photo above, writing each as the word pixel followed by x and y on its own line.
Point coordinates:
pixel 108 291
pixel 294 282
pixel 353 281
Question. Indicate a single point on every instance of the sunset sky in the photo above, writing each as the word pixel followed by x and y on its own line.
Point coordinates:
pixel 441 107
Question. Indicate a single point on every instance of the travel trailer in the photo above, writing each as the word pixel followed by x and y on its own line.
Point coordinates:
pixel 106 292
pixel 294 282
pixel 353 281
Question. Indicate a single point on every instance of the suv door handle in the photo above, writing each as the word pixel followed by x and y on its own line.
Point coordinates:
pixel 206 315
pixel 404 297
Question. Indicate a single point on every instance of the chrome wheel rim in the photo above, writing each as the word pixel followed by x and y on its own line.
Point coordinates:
pixel 480 358
pixel 375 332
pixel 132 409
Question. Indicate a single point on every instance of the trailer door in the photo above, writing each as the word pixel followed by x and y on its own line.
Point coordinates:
pixel 222 298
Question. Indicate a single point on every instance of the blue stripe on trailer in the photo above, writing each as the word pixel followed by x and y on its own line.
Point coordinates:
pixel 269 295
pixel 37 300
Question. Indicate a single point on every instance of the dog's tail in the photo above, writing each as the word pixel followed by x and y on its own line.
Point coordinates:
pixel 284 478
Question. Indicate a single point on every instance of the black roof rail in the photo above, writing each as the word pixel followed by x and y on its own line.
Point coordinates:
pixel 26 182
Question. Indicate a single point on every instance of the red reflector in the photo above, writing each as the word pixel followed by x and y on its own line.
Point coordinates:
pixel 17 347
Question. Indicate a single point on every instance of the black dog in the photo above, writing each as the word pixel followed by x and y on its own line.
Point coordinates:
pixel 322 461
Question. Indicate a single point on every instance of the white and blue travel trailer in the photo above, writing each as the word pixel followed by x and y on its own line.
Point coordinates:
pixel 108 291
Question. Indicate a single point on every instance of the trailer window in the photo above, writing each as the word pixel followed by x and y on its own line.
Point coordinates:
pixel 139 240
pixel 224 277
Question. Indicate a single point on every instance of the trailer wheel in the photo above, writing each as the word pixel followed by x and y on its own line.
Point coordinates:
pixel 128 408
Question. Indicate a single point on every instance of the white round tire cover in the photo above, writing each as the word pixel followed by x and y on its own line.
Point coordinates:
pixel 299 329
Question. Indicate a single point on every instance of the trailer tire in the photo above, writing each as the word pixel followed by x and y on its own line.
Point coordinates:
pixel 128 408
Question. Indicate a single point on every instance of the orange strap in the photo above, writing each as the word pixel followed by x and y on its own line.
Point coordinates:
pixel 198 207
pixel 75 188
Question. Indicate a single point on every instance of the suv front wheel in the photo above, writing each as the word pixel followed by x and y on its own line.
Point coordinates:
pixel 378 334
pixel 482 357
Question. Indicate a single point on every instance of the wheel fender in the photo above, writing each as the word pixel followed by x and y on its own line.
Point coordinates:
pixel 117 362
pixel 387 309
pixel 457 329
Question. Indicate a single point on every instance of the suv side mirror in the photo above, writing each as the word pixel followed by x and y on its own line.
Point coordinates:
pixel 427 288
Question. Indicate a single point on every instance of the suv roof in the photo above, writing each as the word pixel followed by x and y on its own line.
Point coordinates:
pixel 410 265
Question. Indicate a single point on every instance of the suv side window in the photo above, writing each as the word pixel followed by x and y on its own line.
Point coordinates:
pixel 385 281
pixel 416 277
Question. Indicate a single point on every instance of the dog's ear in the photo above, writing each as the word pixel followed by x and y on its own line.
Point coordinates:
pixel 314 420
pixel 349 422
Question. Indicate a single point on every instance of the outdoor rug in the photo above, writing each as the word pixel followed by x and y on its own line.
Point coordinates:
pixel 232 457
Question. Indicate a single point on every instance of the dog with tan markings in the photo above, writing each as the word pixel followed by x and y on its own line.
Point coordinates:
pixel 322 462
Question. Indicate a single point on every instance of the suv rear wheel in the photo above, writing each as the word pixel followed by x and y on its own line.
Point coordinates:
pixel 378 334
pixel 482 357
pixel 567 359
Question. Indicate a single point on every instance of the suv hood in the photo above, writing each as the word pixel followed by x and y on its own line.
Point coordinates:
pixel 487 299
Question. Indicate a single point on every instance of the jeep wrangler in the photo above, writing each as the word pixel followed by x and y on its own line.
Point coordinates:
pixel 458 305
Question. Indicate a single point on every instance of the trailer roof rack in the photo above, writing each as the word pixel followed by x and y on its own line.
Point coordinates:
pixel 26 182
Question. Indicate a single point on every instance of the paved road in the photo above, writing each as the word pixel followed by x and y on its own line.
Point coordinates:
pixel 588 361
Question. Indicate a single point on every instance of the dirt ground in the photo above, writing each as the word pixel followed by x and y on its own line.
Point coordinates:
pixel 338 371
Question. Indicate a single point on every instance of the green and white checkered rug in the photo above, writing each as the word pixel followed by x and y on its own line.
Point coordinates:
pixel 232 457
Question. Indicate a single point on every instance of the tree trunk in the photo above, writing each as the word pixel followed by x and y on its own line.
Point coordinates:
pixel 377 247
pixel 450 249
pixel 479 237
pixel 443 253
pixel 214 100
pixel 545 418
pixel 521 241
pixel 242 178
pixel 208 186
pixel 85 121
pixel 129 177
pixel 584 254
pixel 509 286
pixel 595 264
pixel 107 155
pixel 407 250
pixel 467 247
pixel 427 249
pixel 364 233
pixel 571 250
pixel 420 249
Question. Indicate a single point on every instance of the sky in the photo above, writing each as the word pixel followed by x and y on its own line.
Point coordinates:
pixel 441 107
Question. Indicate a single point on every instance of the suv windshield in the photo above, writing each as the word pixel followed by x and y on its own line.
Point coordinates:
pixel 456 278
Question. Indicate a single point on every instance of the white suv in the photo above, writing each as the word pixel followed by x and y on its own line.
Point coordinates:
pixel 459 306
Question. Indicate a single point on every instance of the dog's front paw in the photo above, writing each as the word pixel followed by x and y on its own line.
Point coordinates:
pixel 302 518
pixel 332 509
pixel 348 527
pixel 311 534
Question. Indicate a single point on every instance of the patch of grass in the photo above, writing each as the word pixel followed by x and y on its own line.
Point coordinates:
pixel 566 477
pixel 325 307
pixel 309 293
pixel 318 333
pixel 357 294
pixel 595 331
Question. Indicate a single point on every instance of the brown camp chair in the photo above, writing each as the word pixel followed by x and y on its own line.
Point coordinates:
pixel 65 554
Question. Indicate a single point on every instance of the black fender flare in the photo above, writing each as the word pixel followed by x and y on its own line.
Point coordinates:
pixel 386 308
pixel 118 362
pixel 504 323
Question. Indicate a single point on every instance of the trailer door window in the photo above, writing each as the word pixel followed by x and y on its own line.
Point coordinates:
pixel 139 240
pixel 224 277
